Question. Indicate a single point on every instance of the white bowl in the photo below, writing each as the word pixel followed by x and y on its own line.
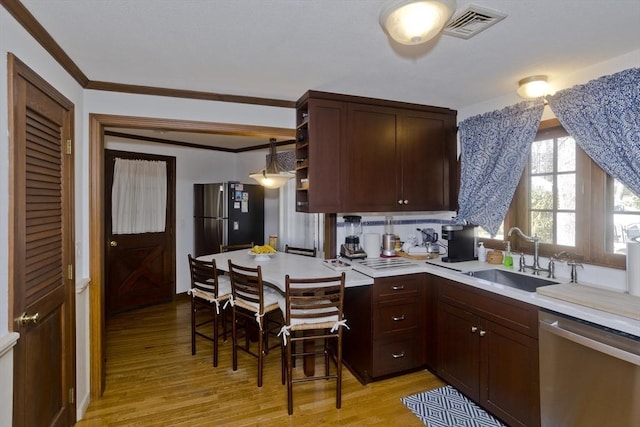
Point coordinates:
pixel 261 257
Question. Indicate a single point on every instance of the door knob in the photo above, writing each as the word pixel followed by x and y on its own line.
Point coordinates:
pixel 113 243
pixel 473 329
pixel 482 333
pixel 25 318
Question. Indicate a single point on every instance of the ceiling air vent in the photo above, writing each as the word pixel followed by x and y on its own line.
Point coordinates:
pixel 471 21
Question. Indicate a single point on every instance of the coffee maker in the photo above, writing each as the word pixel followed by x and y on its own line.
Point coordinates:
pixel 351 248
pixel 461 242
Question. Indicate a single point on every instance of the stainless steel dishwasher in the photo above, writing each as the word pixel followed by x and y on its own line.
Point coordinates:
pixel 589 375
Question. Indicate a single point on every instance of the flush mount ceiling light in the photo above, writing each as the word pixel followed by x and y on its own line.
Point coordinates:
pixel 274 174
pixel 533 87
pixel 413 22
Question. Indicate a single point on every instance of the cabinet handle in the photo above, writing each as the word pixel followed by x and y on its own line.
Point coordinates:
pixel 398 318
pixel 397 287
pixel 406 202
pixel 474 329
pixel 399 202
pixel 483 333
pixel 398 355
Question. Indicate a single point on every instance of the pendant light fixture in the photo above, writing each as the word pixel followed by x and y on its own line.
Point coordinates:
pixel 533 87
pixel 413 22
pixel 274 174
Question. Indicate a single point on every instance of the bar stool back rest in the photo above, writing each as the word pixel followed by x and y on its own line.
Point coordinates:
pixel 314 306
pixel 209 292
pixel 227 248
pixel 300 251
pixel 258 308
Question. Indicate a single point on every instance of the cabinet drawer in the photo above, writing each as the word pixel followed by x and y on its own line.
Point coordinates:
pixel 506 311
pixel 393 287
pixel 395 356
pixel 396 316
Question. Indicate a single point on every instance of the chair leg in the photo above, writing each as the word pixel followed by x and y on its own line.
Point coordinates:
pixel 339 371
pixel 326 357
pixel 224 323
pixel 215 337
pixel 260 356
pixel 283 365
pixel 193 326
pixel 234 337
pixel 289 381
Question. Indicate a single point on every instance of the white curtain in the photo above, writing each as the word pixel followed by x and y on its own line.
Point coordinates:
pixel 138 196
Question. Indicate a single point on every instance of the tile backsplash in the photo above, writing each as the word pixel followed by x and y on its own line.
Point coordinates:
pixel 406 225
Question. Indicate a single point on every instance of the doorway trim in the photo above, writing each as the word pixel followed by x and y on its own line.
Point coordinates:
pixel 97 124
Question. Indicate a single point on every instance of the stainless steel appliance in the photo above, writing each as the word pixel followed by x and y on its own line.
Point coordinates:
pixel 461 243
pixel 430 240
pixel 388 244
pixel 589 375
pixel 351 248
pixel 228 213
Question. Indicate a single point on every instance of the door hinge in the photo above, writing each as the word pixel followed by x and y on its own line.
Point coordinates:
pixel 69 147
pixel 71 396
pixel 70 272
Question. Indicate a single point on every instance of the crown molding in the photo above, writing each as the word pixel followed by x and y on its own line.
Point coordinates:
pixel 38 32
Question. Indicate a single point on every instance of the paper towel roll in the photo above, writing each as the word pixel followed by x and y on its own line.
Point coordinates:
pixel 372 245
pixel 633 268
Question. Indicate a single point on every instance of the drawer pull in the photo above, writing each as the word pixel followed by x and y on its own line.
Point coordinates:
pixel 398 318
pixel 474 329
pixel 398 355
pixel 397 287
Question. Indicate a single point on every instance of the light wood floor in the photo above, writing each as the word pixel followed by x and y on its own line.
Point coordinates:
pixel 153 380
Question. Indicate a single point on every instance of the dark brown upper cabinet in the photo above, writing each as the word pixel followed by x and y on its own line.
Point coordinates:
pixel 367 155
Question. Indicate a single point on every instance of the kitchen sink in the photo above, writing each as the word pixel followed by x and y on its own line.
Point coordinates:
pixel 511 279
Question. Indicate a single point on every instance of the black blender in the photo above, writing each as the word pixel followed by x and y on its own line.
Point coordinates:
pixel 353 230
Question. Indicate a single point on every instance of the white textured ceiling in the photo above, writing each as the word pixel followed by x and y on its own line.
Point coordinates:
pixel 282 48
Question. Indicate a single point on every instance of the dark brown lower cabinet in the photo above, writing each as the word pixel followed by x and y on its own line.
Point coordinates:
pixel 386 322
pixel 488 350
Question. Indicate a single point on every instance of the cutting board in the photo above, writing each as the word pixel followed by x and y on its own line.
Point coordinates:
pixel 417 256
pixel 602 299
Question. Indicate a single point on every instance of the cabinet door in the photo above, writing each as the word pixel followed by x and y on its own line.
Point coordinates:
pixel 327 127
pixel 458 349
pixel 425 144
pixel 509 375
pixel 371 159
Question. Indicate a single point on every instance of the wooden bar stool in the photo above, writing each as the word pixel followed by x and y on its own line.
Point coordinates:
pixel 227 248
pixel 300 251
pixel 208 293
pixel 255 305
pixel 314 307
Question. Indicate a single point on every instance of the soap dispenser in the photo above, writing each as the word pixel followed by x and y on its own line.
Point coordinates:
pixel 508 257
pixel 482 253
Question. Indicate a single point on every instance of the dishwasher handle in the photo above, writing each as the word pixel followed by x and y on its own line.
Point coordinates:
pixel 555 329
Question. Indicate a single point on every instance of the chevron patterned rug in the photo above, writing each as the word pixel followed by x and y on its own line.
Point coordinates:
pixel 447 407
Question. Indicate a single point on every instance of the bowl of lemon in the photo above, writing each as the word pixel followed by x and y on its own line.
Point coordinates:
pixel 262 253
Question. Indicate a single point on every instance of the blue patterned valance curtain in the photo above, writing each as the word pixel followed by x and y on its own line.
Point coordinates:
pixel 603 116
pixel 494 150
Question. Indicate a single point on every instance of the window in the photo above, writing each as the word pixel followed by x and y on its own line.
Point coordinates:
pixel 570 203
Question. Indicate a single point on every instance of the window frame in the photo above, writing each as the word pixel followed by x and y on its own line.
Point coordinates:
pixel 593 189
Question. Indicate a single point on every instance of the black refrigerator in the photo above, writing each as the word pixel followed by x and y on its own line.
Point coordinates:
pixel 227 213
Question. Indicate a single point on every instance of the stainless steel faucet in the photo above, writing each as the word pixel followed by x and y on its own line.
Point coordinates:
pixel 536 258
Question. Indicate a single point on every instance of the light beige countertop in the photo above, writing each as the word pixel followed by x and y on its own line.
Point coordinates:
pixel 591 309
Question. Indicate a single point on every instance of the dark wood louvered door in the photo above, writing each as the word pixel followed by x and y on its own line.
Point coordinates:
pixel 41 251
